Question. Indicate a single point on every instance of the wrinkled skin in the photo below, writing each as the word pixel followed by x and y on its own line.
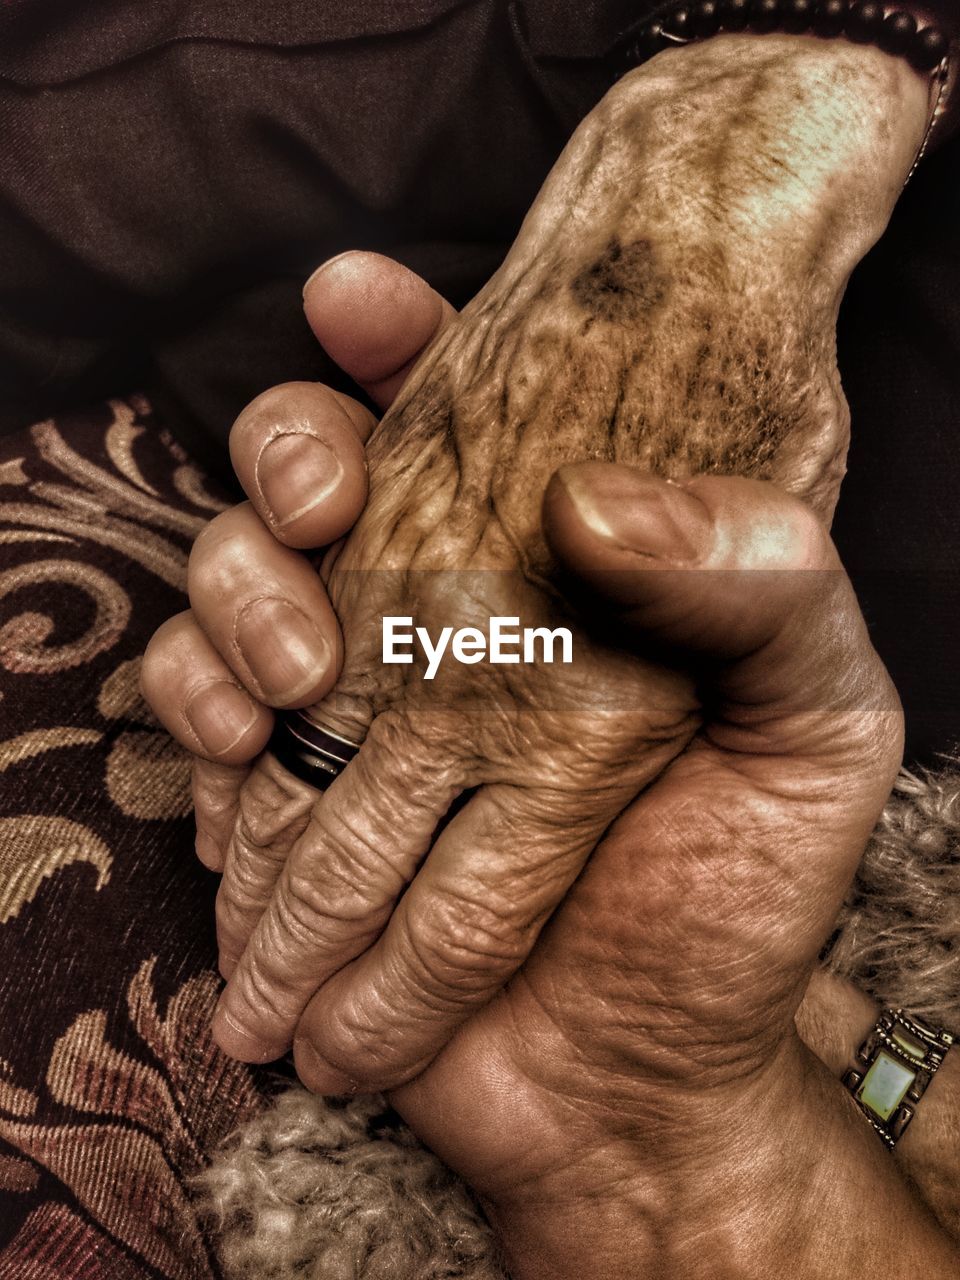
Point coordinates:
pixel 669 304
pixel 532 1097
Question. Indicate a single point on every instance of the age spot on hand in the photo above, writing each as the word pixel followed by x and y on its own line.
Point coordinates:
pixel 624 285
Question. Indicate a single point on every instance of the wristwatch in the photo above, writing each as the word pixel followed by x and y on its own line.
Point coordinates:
pixel 895 1065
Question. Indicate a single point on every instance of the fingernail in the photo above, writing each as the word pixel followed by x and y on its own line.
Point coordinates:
pixel 640 513
pixel 295 473
pixel 325 266
pixel 219 714
pixel 318 1075
pixel 283 649
pixel 236 1042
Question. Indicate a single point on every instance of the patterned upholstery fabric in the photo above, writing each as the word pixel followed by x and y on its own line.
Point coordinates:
pixel 110 1087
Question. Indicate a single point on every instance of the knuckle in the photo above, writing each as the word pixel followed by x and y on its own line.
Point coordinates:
pixel 408 738
pixel 302 916
pixel 322 915
pixel 315 907
pixel 257 828
pixel 258 999
pixel 356 851
pixel 236 918
pixel 215 791
pixel 208 849
pixel 362 1045
pixel 231 939
pixel 796 539
pixel 273 806
pixel 812 540
pixel 245 891
pixel 221 554
pixel 248 882
pixel 461 945
pixel 331 897
pixel 354 1043
pixel 355 855
pixel 878 731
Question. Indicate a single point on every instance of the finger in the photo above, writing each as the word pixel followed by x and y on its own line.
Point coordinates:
pixel 755 585
pixel 269 816
pixel 375 318
pixel 264 609
pixel 198 699
pixel 463 928
pixel 216 797
pixel 298 453
pixel 295 448
pixel 365 838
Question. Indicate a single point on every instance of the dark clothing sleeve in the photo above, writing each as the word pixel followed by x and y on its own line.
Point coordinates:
pixel 172 173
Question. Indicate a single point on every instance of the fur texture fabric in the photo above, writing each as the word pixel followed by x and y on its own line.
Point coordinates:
pixel 315 1190
pixel 899 934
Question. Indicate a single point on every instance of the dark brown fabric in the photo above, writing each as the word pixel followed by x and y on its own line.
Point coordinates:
pixel 898 523
pixel 111 1089
pixel 173 172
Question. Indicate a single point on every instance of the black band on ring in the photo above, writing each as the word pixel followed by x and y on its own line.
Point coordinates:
pixel 314 755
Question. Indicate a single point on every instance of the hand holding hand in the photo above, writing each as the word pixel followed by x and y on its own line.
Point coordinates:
pixel 557 359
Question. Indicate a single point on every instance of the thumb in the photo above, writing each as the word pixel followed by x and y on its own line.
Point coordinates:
pixel 737 576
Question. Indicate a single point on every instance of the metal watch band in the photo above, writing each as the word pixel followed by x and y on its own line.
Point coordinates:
pixel 894 1068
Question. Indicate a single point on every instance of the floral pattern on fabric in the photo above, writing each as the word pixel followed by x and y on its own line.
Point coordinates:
pixel 111 1088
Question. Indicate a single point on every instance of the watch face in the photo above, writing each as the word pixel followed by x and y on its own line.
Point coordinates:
pixel 885 1085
